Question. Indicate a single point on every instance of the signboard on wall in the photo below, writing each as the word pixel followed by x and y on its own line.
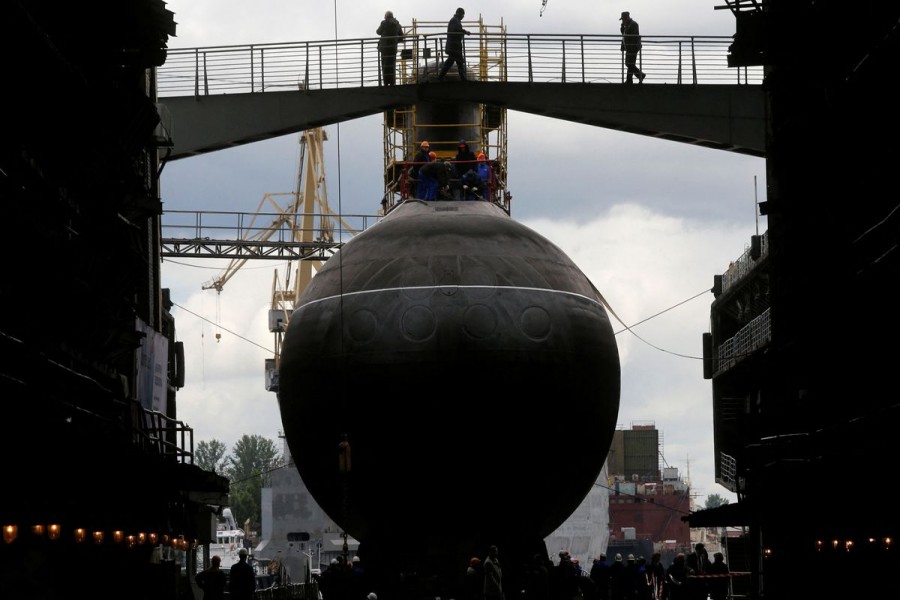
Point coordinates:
pixel 151 367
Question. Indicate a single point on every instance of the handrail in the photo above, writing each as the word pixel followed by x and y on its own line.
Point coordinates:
pixel 240 226
pixel 530 58
pixel 162 435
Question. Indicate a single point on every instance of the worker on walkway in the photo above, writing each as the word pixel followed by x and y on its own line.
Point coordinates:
pixel 631 45
pixel 391 33
pixel 454 46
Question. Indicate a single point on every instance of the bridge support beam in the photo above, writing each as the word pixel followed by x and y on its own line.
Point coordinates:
pixel 725 117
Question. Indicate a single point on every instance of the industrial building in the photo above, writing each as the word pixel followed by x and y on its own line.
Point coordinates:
pixel 800 353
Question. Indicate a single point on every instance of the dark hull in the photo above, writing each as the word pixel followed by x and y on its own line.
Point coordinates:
pixel 474 371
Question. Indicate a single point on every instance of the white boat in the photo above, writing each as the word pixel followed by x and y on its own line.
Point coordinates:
pixel 229 539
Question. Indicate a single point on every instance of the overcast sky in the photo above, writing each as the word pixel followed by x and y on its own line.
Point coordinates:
pixel 649 221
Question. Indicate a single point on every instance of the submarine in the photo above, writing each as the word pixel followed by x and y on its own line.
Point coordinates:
pixel 449 379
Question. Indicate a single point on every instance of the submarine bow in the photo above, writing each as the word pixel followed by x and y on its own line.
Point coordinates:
pixel 470 366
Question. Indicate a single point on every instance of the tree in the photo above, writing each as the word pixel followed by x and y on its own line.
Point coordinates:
pixel 249 464
pixel 715 501
pixel 210 456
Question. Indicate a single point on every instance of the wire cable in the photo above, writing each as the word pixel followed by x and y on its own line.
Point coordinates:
pixel 219 326
pixel 655 347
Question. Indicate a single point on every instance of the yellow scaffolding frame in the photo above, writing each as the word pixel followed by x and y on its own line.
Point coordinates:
pixel 420 62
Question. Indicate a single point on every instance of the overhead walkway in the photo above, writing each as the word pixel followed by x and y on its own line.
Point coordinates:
pixel 218 97
pixel 257 236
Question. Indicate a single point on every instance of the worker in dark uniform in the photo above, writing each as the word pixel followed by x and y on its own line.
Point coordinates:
pixel 631 45
pixel 421 157
pixel 464 160
pixel 454 46
pixel 435 179
pixel 391 33
pixel 241 579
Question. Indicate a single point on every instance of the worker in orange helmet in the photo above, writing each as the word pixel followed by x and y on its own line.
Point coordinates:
pixel 419 159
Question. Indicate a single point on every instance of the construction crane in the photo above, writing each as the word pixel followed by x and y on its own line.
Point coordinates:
pixel 298 216
pixel 298 221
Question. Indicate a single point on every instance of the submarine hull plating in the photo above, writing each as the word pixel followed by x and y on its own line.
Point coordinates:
pixel 473 370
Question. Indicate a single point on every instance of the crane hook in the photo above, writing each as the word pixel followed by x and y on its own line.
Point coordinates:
pixel 543 6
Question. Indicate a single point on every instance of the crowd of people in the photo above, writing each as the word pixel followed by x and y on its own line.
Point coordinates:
pixel 691 576
pixel 346 580
pixel 467 176
pixel 240 581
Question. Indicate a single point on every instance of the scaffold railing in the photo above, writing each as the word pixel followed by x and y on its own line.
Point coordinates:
pixel 753 336
pixel 229 234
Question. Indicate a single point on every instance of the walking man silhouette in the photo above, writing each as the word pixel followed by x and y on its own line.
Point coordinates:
pixel 631 45
pixel 454 46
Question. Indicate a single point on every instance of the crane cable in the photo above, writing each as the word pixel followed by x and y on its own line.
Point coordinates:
pixel 543 6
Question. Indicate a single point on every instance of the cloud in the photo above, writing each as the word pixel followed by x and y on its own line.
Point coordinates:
pixel 656 273
pixel 226 340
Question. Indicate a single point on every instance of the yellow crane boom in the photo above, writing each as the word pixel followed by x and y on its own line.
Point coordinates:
pixel 298 217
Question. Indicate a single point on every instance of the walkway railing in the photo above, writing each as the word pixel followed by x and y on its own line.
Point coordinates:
pixel 531 58
pixel 228 234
